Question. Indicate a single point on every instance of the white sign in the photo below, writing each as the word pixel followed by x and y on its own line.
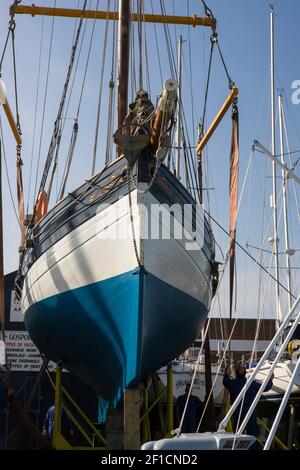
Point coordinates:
pixel 15 309
pixel 2 352
pixel 22 354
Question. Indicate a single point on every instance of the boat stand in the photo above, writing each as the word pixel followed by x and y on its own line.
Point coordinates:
pixel 292 425
pixel 170 407
pixel 132 419
pixel 132 438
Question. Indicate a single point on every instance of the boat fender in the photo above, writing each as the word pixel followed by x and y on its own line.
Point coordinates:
pixel 293 346
pixel 41 206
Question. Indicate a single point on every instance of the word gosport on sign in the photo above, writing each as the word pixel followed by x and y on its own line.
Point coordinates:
pixel 22 354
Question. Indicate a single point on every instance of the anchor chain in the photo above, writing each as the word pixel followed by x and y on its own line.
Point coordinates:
pixel 132 224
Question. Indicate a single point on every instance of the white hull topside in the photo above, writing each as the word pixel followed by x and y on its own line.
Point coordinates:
pixel 86 255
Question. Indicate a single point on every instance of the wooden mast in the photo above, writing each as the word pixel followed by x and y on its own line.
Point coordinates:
pixel 132 395
pixel 123 58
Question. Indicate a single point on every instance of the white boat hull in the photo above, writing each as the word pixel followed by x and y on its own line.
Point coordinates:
pixel 183 374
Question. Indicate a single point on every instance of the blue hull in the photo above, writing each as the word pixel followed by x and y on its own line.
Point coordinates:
pixel 113 333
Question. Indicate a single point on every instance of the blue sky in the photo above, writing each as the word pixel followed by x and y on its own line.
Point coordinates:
pixel 243 29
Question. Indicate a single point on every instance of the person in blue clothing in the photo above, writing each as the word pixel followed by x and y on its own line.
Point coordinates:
pixel 234 386
pixel 6 390
pixel 192 414
pixel 6 395
pixel 49 424
pixel 3 394
pixel 66 424
pixel 3 391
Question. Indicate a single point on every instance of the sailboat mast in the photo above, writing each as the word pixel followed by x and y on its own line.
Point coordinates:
pixel 274 175
pixel 285 213
pixel 178 127
pixel 123 58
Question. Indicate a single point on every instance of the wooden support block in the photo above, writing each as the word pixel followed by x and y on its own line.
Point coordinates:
pixel 114 430
pixel 132 438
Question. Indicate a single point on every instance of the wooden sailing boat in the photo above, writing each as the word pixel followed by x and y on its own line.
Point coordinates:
pixel 114 310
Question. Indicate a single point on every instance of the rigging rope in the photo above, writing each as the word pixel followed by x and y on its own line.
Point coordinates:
pixel 260 317
pixel 111 107
pixel 57 122
pixel 54 163
pixel 4 51
pixel 174 26
pixel 75 127
pixel 147 63
pixel 7 173
pixel 252 357
pixel 210 14
pixel 223 359
pixel 262 239
pixel 157 48
pixel 170 53
pixel 189 147
pixel 249 254
pixel 75 24
pixel 55 134
pixel 44 106
pixel 140 38
pixel 11 28
pixel 87 61
pixel 19 163
pixel 226 258
pixel 190 168
pixel 76 68
pixel 230 82
pixel 68 161
pixel 100 89
pixel 191 77
pixel 35 112
pixel 202 123
pixel 172 62
pixel 178 431
pixel 108 154
pixel 173 69
pixel 207 10
pixel 15 77
pixel 64 118
pixel 288 148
